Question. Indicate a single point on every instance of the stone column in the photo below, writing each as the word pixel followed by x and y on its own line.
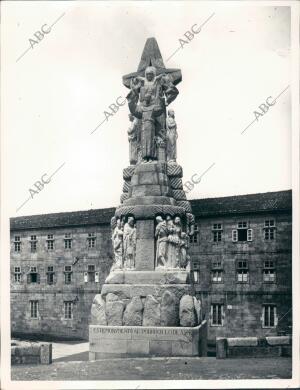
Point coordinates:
pixel 145 256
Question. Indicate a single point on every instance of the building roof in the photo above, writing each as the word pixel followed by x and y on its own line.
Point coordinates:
pixel 208 207
pixel 243 204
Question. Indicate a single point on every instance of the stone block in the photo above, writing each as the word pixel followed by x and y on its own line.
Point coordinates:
pixel 174 170
pixel 146 190
pixel 182 348
pixel 98 316
pixel 185 204
pixel 169 309
pixel 46 353
pixel 160 348
pixel 133 314
pixel 114 312
pixel 148 178
pixel 121 290
pixel 123 197
pixel 138 347
pixel 278 340
pixel 128 172
pixel 115 277
pixel 179 194
pixel 242 342
pixel 151 315
pixel 187 315
pixel 221 348
pixel 176 183
pixel 126 186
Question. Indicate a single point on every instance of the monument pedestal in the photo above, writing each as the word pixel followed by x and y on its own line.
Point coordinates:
pixel 146 341
pixel 148 307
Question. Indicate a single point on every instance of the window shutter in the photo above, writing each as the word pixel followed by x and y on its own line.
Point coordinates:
pixel 54 278
pixel 234 235
pixel 38 278
pixel 275 317
pixel 85 277
pixel 263 316
pixel 28 278
pixel 249 234
pixel 222 314
pixel 97 277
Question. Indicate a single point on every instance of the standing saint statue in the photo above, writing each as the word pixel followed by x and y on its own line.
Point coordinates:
pixel 161 235
pixel 133 138
pixel 117 239
pixel 147 112
pixel 129 242
pixel 173 244
pixel 171 136
pixel 162 92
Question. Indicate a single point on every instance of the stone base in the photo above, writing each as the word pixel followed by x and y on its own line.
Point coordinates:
pixel 146 341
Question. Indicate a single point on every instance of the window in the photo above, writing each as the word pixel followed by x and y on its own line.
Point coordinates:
pixel 217 314
pixel 217 232
pixel 17 243
pixel 34 307
pixel 242 233
pixel 242 271
pixel 68 274
pixel 68 241
pixel 68 310
pixel 217 276
pixel 91 240
pixel 17 274
pixel 269 316
pixel 50 242
pixel 50 275
pixel 33 276
pixel 269 229
pixel 33 242
pixel 269 273
pixel 91 273
pixel 217 264
pixel 194 237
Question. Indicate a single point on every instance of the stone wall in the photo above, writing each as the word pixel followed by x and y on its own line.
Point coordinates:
pixel 51 298
pixel 242 302
pixel 31 353
pixel 244 347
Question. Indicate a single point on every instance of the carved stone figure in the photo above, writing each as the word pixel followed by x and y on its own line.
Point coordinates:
pixel 133 138
pixel 161 91
pixel 171 136
pixel 147 113
pixel 184 245
pixel 129 242
pixel 161 235
pixel 173 243
pixel 117 239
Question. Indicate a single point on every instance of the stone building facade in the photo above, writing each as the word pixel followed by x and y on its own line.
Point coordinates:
pixel 241 266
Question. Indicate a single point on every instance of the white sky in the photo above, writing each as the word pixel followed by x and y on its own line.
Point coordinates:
pixel 55 95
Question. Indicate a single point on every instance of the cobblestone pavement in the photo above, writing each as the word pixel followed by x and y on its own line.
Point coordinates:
pixel 158 368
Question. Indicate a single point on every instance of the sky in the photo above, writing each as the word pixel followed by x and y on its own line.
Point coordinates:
pixel 55 95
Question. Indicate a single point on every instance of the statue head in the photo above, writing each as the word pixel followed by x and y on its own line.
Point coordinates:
pixel 131 221
pixel 119 223
pixel 150 73
pixel 171 113
pixel 168 218
pixel 177 221
pixel 159 219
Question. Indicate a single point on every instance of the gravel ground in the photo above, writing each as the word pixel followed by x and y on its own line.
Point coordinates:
pixel 158 368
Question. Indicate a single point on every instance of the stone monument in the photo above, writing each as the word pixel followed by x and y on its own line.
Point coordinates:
pixel 147 306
